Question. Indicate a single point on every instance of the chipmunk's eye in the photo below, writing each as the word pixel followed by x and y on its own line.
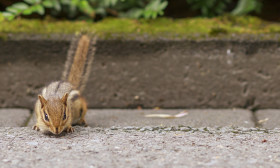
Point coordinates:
pixel 46 116
pixel 64 115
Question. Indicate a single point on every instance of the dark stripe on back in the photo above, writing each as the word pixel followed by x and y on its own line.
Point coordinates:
pixel 58 85
pixel 84 71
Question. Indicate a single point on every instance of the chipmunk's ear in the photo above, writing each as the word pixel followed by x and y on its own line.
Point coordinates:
pixel 64 99
pixel 42 100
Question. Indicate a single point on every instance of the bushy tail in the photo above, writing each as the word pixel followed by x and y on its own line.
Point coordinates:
pixel 79 59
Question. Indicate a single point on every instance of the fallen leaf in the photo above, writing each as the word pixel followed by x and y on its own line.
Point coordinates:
pixel 179 115
pixel 263 121
pixel 160 116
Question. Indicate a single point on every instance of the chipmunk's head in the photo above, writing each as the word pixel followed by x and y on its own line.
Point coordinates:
pixel 55 113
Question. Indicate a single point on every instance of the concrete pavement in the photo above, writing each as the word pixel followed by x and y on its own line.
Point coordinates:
pixel 101 147
pixel 126 138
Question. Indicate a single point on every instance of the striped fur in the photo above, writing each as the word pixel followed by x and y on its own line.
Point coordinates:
pixel 61 105
pixel 79 59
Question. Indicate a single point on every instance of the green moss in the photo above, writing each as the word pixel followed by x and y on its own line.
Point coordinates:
pixel 129 28
pixel 218 31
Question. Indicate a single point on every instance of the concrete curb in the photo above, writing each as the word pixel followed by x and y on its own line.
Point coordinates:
pixel 158 73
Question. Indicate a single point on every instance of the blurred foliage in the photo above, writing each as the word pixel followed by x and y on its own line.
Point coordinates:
pixel 88 9
pixel 147 9
pixel 210 8
pixel 246 6
pixel 1 17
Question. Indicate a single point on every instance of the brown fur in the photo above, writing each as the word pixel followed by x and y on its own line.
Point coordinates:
pixel 64 97
pixel 79 59
pixel 54 108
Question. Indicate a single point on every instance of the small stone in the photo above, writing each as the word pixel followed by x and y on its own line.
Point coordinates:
pixel 142 129
pixel 253 129
pixel 185 129
pixel 129 128
pixel 174 128
pixel 168 129
pixel 5 160
pixel 149 128
pixel 114 128
pixel 243 129
pixel 156 128
pixel 160 131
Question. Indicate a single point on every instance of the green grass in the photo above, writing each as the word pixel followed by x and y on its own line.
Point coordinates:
pixel 160 28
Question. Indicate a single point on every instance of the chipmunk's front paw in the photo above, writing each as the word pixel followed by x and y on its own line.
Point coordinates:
pixel 70 130
pixel 85 124
pixel 35 127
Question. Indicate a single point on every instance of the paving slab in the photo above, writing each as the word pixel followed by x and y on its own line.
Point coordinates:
pixel 99 147
pixel 13 117
pixel 269 118
pixel 196 118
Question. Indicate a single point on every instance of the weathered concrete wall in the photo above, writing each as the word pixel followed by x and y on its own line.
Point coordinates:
pixel 167 74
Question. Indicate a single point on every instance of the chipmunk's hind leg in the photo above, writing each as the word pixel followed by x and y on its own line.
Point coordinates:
pixel 82 112
pixel 79 107
pixel 82 122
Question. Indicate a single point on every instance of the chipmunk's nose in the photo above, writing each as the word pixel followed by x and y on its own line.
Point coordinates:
pixel 56 130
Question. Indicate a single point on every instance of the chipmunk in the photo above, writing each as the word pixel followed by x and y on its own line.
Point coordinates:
pixel 60 105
